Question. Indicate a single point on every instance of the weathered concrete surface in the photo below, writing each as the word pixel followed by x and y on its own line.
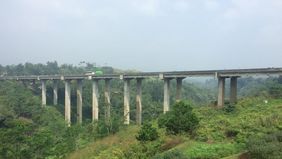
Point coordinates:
pixel 67 102
pixel 166 94
pixel 79 101
pixel 95 103
pixel 233 90
pixel 43 92
pixel 179 89
pixel 107 100
pixel 55 92
pixel 139 102
pixel 221 92
pixel 126 101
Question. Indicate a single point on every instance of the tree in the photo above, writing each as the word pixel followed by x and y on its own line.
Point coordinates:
pixel 180 119
pixel 147 133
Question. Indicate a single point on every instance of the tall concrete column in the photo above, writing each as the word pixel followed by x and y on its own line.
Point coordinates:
pixel 233 89
pixel 55 92
pixel 139 102
pixel 67 102
pixel 126 101
pixel 178 89
pixel 79 101
pixel 43 92
pixel 95 103
pixel 107 100
pixel 221 91
pixel 166 94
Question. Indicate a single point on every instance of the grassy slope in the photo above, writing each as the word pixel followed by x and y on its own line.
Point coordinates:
pixel 215 135
pixel 111 144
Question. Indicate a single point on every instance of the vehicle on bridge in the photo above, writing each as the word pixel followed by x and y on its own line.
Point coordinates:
pixel 90 73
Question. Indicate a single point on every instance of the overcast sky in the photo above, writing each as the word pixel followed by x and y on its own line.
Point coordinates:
pixel 148 35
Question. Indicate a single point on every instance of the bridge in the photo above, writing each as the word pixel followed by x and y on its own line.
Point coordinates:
pixel 221 75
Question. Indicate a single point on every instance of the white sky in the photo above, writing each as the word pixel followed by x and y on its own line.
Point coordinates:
pixel 148 35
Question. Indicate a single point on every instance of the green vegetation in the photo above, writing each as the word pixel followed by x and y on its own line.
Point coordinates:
pixel 267 146
pixel 212 151
pixel 180 119
pixel 147 133
pixel 191 130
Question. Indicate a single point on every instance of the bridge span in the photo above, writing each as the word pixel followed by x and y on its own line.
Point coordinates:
pixel 221 75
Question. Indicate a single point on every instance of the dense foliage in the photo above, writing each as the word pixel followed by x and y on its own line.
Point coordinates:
pixel 29 131
pixel 265 147
pixel 147 133
pixel 181 119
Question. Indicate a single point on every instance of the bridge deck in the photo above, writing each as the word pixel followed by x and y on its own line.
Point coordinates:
pixel 174 74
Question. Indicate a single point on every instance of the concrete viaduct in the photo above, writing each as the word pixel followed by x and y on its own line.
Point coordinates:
pixel 221 75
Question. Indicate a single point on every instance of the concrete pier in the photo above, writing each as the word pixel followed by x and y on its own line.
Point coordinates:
pixel 43 92
pixel 95 103
pixel 55 92
pixel 178 89
pixel 139 101
pixel 126 101
pixel 67 102
pixel 79 101
pixel 166 94
pixel 107 100
pixel 233 90
pixel 221 92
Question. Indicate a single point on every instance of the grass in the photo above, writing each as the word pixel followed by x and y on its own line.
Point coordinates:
pixel 220 134
pixel 111 144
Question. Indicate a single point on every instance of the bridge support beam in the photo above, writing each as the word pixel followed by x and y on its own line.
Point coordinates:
pixel 107 100
pixel 221 92
pixel 166 94
pixel 233 90
pixel 67 102
pixel 79 101
pixel 43 92
pixel 178 89
pixel 126 101
pixel 95 103
pixel 139 101
pixel 55 92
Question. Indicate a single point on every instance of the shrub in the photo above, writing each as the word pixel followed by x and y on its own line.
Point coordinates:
pixel 144 150
pixel 179 119
pixel 265 147
pixel 147 133
pixel 171 155
pixel 229 107
pixel 212 151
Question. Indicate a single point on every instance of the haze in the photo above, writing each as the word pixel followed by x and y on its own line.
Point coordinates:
pixel 147 35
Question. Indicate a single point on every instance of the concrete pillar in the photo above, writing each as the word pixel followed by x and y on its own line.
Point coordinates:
pixel 233 89
pixel 139 102
pixel 221 91
pixel 55 92
pixel 126 101
pixel 178 89
pixel 43 92
pixel 95 103
pixel 79 101
pixel 67 102
pixel 166 94
pixel 107 100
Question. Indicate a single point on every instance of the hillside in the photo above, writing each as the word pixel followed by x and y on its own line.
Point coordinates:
pixel 221 134
pixel 28 130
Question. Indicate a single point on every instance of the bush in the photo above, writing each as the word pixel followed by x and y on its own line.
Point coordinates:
pixel 171 155
pixel 144 150
pixel 147 133
pixel 229 107
pixel 179 119
pixel 265 147
pixel 212 151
